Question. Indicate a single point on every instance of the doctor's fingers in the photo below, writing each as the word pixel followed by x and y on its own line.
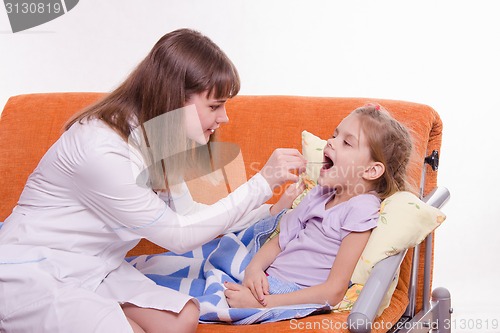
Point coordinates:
pixel 283 156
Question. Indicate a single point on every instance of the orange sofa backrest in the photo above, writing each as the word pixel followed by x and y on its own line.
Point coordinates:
pixel 29 125
pixel 259 124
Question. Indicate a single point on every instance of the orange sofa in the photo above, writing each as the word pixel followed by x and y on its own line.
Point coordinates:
pixel 30 123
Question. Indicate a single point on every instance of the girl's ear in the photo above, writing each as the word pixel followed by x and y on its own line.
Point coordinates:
pixel 374 171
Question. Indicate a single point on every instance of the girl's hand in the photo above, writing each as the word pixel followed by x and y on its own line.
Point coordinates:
pixel 239 296
pixel 287 198
pixel 256 281
pixel 278 168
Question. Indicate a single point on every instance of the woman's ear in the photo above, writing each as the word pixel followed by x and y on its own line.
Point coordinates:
pixel 374 171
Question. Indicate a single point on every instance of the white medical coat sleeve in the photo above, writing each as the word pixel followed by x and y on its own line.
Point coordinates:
pixel 106 184
pixel 181 201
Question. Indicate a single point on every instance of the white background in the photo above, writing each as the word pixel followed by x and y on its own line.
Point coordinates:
pixel 442 53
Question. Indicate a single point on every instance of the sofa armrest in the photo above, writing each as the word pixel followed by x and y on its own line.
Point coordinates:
pixel 364 310
pixel 383 273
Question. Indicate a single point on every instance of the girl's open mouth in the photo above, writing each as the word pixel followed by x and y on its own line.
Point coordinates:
pixel 328 163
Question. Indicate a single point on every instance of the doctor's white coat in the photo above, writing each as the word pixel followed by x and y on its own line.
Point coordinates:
pixel 62 249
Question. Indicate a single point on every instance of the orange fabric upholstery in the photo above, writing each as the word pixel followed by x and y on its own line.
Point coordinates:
pixel 30 123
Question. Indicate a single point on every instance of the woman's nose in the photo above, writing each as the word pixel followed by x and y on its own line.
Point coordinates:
pixel 222 116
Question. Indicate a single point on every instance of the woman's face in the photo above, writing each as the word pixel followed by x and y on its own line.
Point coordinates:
pixel 204 114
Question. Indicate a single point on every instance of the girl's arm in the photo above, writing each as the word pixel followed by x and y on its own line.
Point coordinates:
pixel 331 291
pixel 255 276
pixel 335 287
pixel 287 198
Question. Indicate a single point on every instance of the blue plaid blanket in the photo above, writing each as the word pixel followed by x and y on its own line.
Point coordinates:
pixel 202 272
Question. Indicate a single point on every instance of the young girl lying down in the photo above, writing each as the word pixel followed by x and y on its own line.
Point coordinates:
pixel 320 241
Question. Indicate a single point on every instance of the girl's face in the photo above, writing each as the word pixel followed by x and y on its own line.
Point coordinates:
pixel 204 115
pixel 347 158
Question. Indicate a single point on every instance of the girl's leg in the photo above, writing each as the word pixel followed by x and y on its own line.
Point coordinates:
pixel 153 320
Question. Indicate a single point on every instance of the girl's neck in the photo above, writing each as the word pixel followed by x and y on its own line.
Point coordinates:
pixel 341 196
pixel 338 198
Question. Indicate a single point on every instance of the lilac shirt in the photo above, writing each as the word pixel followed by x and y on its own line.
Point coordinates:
pixel 310 236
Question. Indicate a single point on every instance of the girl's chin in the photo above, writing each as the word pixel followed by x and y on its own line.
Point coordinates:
pixel 321 181
pixel 325 182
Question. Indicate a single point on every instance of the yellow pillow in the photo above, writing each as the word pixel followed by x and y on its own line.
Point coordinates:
pixel 404 222
pixel 312 149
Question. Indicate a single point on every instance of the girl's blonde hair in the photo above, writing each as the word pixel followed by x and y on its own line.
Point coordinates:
pixel 390 143
pixel 182 63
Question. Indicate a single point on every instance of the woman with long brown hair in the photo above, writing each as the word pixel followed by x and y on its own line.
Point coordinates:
pixel 116 176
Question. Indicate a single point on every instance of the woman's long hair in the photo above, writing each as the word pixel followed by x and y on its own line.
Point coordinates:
pixel 182 63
